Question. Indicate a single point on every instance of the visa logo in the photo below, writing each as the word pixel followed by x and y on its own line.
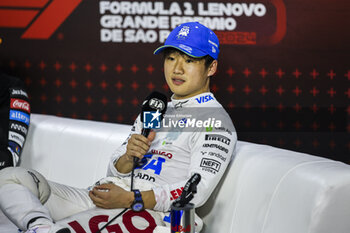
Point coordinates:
pixel 204 99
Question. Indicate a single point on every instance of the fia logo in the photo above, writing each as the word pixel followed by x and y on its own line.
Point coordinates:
pixel 204 99
pixel 156 104
pixel 151 119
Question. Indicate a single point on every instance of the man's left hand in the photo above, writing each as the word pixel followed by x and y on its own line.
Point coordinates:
pixel 111 196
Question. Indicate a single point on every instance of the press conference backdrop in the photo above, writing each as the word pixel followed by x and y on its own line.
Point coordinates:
pixel 283 75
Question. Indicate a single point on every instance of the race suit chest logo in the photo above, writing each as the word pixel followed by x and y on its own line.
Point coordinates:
pixel 217 137
pixel 180 104
pixel 212 145
pixel 158 152
pixel 147 177
pixel 204 99
pixel 155 164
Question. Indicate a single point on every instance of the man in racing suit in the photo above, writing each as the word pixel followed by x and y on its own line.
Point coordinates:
pixel 197 137
pixel 14 119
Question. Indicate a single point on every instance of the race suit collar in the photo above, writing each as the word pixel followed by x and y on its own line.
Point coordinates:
pixel 192 101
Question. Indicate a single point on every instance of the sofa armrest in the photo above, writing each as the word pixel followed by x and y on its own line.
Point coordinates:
pixel 271 190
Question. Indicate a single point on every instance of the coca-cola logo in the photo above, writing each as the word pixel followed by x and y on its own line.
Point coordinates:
pixel 20 104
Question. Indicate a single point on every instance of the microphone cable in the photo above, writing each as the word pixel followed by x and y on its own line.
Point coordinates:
pixel 155 101
pixel 123 211
pixel 110 221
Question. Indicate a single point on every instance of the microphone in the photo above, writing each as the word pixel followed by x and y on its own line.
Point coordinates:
pixel 155 101
pixel 190 188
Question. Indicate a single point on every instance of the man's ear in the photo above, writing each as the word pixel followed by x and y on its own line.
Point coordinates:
pixel 212 68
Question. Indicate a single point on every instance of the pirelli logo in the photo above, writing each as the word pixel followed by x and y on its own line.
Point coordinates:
pixel 217 137
pixel 40 18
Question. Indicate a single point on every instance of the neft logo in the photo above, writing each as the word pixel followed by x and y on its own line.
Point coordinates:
pixel 20 104
pixel 217 137
pixel 19 116
pixel 210 165
pixel 204 99
pixel 42 17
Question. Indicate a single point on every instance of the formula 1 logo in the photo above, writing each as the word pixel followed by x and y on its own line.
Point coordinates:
pixel 41 18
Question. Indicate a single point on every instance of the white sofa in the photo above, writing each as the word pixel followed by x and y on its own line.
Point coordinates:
pixel 265 189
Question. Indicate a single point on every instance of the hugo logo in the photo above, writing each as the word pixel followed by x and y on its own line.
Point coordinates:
pixel 158 152
pixel 95 222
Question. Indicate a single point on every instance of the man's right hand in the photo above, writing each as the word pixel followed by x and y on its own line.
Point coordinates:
pixel 137 146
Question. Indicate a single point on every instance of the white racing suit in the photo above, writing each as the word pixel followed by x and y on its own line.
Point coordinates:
pixel 196 136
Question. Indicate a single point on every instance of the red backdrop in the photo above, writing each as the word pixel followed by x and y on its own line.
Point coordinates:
pixel 283 74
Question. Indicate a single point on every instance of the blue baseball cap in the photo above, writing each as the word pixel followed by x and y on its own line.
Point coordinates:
pixel 194 39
